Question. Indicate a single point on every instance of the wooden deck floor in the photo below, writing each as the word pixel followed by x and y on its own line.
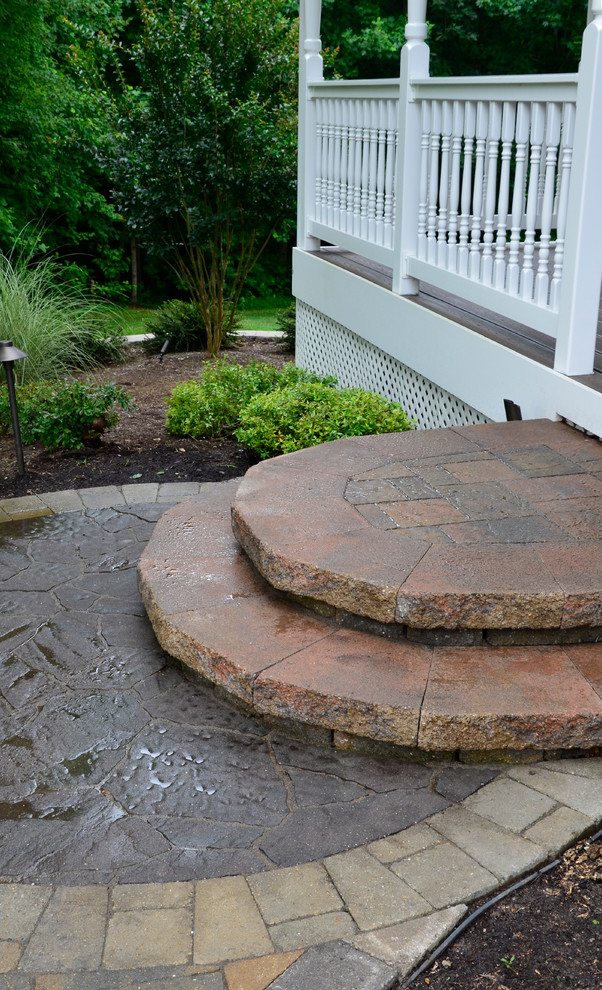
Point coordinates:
pixel 518 337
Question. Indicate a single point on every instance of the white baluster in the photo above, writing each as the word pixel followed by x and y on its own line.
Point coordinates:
pixel 365 170
pixel 474 268
pixel 538 121
pixel 380 172
pixel 446 131
pixel 552 141
pixel 330 163
pixel 344 164
pixel 493 147
pixel 351 114
pixel 566 161
pixel 499 266
pixel 523 119
pixel 431 225
pixel 389 174
pixel 371 106
pixel 454 185
pixel 357 189
pixel 336 177
pixel 424 178
pixel 470 117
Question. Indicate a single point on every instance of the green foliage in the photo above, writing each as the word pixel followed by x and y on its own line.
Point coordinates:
pixel 51 321
pixel 203 141
pixel 65 414
pixel 310 413
pixel 212 406
pixel 287 323
pixel 179 322
pixel 48 126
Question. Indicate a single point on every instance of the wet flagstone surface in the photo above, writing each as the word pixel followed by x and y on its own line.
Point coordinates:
pixel 116 765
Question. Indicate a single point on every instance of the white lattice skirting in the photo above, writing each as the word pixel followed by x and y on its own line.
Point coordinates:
pixel 331 349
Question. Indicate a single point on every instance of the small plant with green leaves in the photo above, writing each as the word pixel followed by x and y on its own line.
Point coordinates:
pixel 71 415
pixel 211 406
pixel 508 962
pixel 309 413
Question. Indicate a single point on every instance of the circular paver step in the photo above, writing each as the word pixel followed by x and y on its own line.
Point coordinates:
pixel 484 528
pixel 211 609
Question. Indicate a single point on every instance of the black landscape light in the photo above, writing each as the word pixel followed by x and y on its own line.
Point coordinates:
pixel 9 354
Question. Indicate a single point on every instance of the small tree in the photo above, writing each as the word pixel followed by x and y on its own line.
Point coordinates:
pixel 203 149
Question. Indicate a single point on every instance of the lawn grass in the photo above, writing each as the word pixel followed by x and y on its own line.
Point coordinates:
pixel 257 315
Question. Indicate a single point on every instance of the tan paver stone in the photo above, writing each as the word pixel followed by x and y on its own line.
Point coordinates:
pixel 445 875
pixel 10 953
pixel 489 698
pixel 480 586
pixel 405 843
pixel 581 793
pixel 257 974
pixel 303 932
pixel 509 804
pixel 228 924
pixel 423 512
pixel 580 517
pixel 66 501
pixel 407 944
pixel 488 469
pixel 559 830
pixel 101 498
pixel 160 937
pixel 373 895
pixel 70 934
pixel 295 892
pixel 134 494
pixel 50 981
pixel 4 516
pixel 191 582
pixel 498 850
pixel 136 896
pixel 177 490
pixel 350 682
pixel 591 767
pixel 20 908
pixel 510 436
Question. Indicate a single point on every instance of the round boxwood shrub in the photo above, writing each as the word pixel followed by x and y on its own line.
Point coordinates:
pixel 211 405
pixel 310 413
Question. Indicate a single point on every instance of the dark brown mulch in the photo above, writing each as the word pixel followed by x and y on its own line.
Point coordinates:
pixel 139 449
pixel 545 936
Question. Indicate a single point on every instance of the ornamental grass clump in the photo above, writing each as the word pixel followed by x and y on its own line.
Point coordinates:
pixel 309 413
pixel 49 319
pixel 212 406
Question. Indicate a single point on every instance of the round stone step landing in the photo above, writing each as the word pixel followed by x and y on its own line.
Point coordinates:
pixel 483 528
pixel 211 609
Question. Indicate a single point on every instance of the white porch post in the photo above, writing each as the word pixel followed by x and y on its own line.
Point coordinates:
pixel 414 65
pixel 311 70
pixel 582 276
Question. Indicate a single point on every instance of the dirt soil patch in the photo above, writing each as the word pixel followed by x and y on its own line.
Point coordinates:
pixel 545 936
pixel 139 449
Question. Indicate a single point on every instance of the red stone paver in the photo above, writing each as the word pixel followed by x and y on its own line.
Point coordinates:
pixel 476 532
pixel 505 697
pixel 352 682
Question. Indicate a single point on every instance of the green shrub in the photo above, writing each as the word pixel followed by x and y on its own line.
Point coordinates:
pixel 181 323
pixel 212 405
pixel 310 413
pixel 287 323
pixel 65 414
pixel 49 319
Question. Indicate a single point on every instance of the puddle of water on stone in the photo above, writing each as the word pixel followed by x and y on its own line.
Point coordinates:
pixel 80 766
pixel 18 741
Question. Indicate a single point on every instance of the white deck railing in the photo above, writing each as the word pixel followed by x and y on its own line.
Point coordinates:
pixel 487 187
